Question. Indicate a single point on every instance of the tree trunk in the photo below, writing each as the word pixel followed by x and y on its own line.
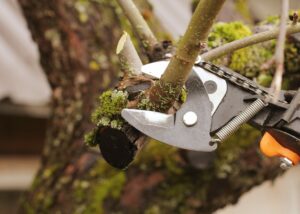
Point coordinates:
pixel 76 41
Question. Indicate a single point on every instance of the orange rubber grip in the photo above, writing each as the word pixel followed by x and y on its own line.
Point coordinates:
pixel 270 147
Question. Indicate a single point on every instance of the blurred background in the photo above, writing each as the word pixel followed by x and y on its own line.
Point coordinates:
pixel 25 96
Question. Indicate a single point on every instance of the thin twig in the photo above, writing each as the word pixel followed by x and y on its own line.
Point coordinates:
pixel 279 54
pixel 130 61
pixel 247 41
pixel 192 42
pixel 169 86
pixel 139 24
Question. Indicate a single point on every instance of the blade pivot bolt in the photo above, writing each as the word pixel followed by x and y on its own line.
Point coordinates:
pixel 190 118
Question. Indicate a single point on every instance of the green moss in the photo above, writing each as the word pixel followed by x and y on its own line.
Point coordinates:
pixel 102 190
pixel 82 7
pixel 153 210
pixel 222 33
pixel 110 104
pixel 104 121
pixel 248 61
pixel 108 185
pixel 229 151
pixel 107 113
pixel 292 57
pixel 157 154
pixel 271 20
pixel 28 208
pixel 48 172
pixel 89 138
pixel 167 94
pixel 47 202
pixel 93 65
pixel 145 104
pixel 264 79
pixel 80 189
pixel 183 95
pixel 178 190
pixel 116 124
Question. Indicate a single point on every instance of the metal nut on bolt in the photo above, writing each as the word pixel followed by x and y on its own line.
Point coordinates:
pixel 190 118
pixel 285 163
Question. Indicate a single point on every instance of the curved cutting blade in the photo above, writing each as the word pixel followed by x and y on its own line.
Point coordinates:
pixel 156 69
pixel 170 129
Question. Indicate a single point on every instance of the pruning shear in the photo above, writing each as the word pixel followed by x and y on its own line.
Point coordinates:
pixel 219 101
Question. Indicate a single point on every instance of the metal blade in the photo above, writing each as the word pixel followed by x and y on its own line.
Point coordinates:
pixel 171 129
pixel 148 118
pixel 215 86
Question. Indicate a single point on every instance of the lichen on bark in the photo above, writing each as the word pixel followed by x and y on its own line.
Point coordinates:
pixel 78 61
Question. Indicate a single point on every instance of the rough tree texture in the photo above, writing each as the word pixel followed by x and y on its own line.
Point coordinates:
pixel 77 40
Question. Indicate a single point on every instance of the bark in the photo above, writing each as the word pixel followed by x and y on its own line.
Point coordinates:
pixel 77 41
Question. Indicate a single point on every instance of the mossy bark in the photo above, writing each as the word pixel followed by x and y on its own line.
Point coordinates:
pixel 77 40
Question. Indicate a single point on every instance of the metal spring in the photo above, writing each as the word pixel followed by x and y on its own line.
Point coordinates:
pixel 240 119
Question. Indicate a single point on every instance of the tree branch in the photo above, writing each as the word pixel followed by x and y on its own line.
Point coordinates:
pixel 186 54
pixel 130 61
pixel 139 24
pixel 247 41
pixel 279 54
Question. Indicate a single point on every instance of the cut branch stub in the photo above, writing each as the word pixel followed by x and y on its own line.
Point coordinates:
pixel 118 147
pixel 130 61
